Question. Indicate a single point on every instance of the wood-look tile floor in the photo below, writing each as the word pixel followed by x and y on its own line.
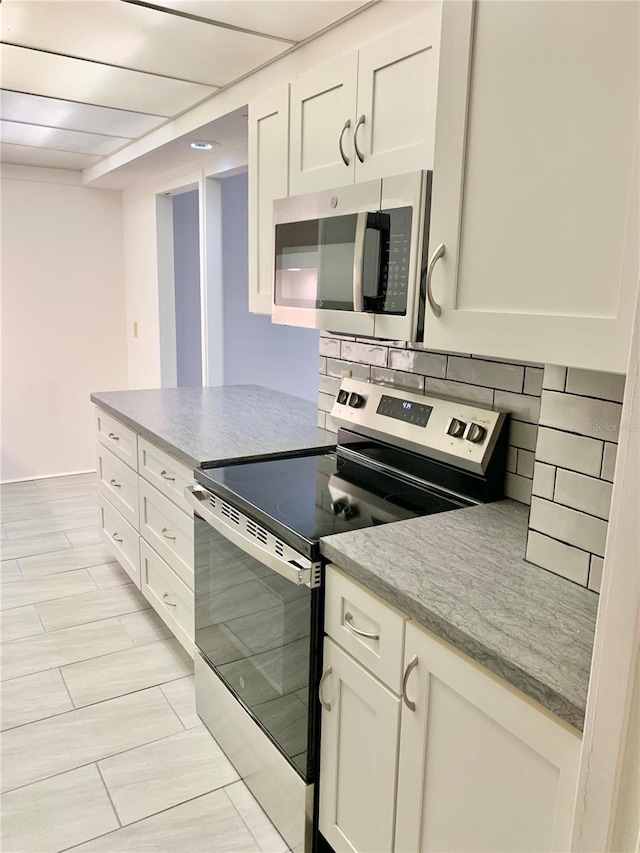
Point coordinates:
pixel 102 749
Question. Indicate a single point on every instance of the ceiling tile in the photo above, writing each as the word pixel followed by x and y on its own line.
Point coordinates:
pixel 60 77
pixel 53 112
pixel 24 156
pixel 282 18
pixel 136 37
pixel 64 140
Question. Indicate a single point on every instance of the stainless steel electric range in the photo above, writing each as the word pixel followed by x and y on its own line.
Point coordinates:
pixel 259 571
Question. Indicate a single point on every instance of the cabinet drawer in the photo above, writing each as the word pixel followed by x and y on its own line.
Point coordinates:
pixel 119 484
pixel 168 529
pixel 350 613
pixel 164 472
pixel 119 535
pixel 117 437
pixel 169 596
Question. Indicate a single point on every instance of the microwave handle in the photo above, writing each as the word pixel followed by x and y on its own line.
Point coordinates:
pixel 358 261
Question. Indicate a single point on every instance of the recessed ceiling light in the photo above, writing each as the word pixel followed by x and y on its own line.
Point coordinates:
pixel 204 146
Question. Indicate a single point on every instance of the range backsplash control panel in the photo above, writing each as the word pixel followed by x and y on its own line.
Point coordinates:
pixel 459 433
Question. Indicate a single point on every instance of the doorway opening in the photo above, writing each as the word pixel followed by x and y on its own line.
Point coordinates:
pixel 179 279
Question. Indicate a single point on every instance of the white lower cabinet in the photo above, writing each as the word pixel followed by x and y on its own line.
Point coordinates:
pixel 461 762
pixel 148 527
pixel 168 530
pixel 358 762
pixel 121 537
pixel 480 767
pixel 170 597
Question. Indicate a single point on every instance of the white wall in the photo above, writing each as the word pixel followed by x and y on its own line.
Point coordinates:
pixel 255 349
pixel 62 318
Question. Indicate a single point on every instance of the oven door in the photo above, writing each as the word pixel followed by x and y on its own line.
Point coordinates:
pixel 259 625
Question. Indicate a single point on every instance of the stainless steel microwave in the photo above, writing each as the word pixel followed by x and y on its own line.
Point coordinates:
pixel 353 259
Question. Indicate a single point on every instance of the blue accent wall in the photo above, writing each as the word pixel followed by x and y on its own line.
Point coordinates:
pixel 255 350
pixel 186 268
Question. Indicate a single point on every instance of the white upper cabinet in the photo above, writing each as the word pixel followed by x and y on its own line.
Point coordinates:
pixel 323 105
pixel 268 180
pixel 397 89
pixel 369 114
pixel 535 197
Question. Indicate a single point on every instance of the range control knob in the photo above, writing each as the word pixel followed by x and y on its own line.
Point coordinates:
pixel 356 401
pixel 475 433
pixel 343 396
pixel 455 427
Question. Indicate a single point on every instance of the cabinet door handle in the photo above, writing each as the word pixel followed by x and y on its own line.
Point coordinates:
pixel 413 663
pixel 346 127
pixel 165 599
pixel 325 675
pixel 114 437
pixel 361 121
pixel 116 538
pixel 115 484
pixel 439 252
pixel 347 621
pixel 166 534
pixel 165 476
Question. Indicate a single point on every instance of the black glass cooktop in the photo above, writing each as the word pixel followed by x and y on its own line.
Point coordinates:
pixel 303 498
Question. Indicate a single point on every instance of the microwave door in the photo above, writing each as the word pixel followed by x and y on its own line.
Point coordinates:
pixel 318 278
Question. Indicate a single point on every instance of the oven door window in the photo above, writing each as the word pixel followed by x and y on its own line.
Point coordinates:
pixel 255 630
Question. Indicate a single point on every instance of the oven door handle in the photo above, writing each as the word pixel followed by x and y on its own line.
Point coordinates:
pixel 197 498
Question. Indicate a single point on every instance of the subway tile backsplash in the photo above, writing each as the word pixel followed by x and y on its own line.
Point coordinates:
pixel 562 438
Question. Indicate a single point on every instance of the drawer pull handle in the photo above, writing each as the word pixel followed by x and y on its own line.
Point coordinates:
pixel 166 534
pixel 413 663
pixel 165 598
pixel 325 675
pixel 165 476
pixel 116 538
pixel 115 484
pixel 114 437
pixel 369 636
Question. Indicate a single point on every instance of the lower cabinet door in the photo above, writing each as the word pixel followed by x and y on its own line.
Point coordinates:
pixel 481 768
pixel 359 754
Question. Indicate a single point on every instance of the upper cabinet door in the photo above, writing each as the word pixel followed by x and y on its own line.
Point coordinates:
pixel 397 89
pixel 268 180
pixel 323 105
pixel 535 197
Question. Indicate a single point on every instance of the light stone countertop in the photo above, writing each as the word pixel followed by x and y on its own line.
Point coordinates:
pixel 462 574
pixel 220 425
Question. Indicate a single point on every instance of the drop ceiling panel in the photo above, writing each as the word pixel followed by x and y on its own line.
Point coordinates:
pixel 282 18
pixel 32 109
pixel 137 37
pixel 25 156
pixel 64 140
pixel 60 77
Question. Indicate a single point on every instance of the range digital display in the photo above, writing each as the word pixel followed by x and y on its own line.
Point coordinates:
pixel 404 410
